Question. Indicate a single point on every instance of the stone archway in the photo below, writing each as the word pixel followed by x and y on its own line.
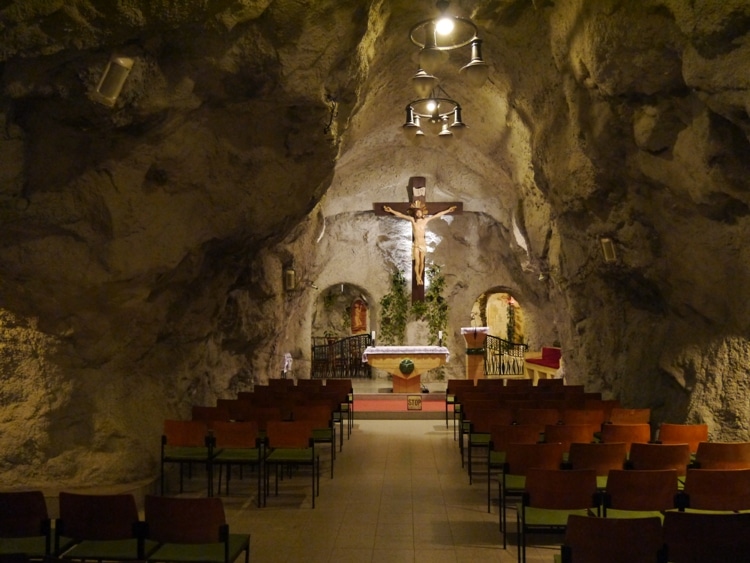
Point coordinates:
pixel 499 310
pixel 342 310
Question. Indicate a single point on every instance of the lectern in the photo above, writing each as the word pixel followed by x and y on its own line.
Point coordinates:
pixel 475 337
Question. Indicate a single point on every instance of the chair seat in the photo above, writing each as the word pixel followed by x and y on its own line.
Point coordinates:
pixel 620 513
pixel 237 455
pixel 290 455
pixel 185 453
pixel 201 553
pixel 109 550
pixel 479 439
pixel 497 458
pixel 546 517
pixel 32 546
pixel 515 482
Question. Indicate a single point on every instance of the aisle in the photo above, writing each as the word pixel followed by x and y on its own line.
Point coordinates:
pixel 399 494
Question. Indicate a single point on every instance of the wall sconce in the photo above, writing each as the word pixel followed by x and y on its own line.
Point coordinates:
pixel 608 250
pixel 290 279
pixel 112 80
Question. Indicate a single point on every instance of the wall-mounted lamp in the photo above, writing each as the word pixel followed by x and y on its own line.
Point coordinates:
pixel 608 249
pixel 112 80
pixel 290 279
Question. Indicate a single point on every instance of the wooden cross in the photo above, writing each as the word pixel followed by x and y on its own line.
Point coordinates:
pixel 407 210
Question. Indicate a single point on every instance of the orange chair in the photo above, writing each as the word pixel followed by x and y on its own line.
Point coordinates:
pixel 238 443
pixel 723 455
pixel 500 436
pixel 639 493
pixel 599 457
pixel 694 537
pixel 551 497
pixel 25 525
pixel 717 489
pixel 566 434
pixel 627 433
pixel 192 529
pixel 185 442
pixel 291 444
pixel 691 434
pixel 584 416
pixel 613 540
pixel 659 456
pixel 478 435
pixel 519 459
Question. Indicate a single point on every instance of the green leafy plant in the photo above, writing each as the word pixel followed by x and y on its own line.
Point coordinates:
pixel 434 308
pixel 394 312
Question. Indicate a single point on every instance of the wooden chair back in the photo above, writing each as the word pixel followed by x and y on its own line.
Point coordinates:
pixel 559 489
pixel 184 520
pixel 723 455
pixel 695 537
pixel 503 434
pixel 584 416
pixel 627 433
pixel 482 421
pixel 97 517
pixel 23 514
pixel 185 433
pixel 520 458
pixel 599 457
pixel 567 434
pixel 614 540
pixel 718 489
pixel 659 456
pixel 235 434
pixel 691 434
pixel 646 490
pixel 209 414
pixel 292 434
pixel 538 417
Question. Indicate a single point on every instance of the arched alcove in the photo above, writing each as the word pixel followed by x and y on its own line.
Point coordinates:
pixel 342 310
pixel 499 310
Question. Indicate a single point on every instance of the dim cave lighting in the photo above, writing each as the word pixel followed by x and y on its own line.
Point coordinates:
pixel 113 79
pixel 608 250
pixel 290 279
pixel 437 113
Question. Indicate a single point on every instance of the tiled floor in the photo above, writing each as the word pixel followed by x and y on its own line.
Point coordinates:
pixel 399 494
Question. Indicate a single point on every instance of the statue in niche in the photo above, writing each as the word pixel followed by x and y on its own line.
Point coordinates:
pixel 359 316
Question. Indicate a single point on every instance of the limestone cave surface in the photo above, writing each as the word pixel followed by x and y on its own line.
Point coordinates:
pixel 142 246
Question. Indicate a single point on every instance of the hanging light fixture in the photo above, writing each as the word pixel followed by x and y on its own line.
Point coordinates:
pixel 437 113
pixel 437 36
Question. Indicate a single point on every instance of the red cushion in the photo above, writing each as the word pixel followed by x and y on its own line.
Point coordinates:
pixel 551 354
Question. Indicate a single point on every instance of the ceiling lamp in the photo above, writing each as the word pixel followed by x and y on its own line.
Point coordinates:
pixel 437 113
pixel 444 33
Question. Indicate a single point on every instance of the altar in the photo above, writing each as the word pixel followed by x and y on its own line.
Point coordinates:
pixel 406 363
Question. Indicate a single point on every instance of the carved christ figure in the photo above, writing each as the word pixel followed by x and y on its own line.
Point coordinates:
pixel 419 219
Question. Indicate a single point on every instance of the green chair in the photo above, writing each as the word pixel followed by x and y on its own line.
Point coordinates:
pixel 238 444
pixel 185 442
pixel 500 436
pixel 291 445
pixel 25 526
pixel 612 540
pixel 192 530
pixel 551 496
pixel 100 528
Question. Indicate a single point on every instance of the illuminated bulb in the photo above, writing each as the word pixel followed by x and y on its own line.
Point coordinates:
pixel 444 26
pixel 431 106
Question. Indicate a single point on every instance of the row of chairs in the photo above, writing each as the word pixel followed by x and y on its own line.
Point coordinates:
pixel 108 528
pixel 220 444
pixel 550 496
pixel 683 537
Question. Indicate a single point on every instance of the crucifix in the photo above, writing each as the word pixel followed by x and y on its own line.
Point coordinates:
pixel 419 212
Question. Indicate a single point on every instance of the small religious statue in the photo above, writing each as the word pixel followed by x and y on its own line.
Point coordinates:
pixel 419 219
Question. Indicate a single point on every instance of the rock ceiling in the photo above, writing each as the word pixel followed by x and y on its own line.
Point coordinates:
pixel 141 245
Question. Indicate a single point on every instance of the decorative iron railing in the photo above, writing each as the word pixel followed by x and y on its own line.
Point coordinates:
pixel 502 357
pixel 342 358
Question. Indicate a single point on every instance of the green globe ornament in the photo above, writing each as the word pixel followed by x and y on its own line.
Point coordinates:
pixel 406 366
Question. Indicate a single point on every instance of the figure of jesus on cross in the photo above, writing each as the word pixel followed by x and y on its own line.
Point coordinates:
pixel 418 212
pixel 419 220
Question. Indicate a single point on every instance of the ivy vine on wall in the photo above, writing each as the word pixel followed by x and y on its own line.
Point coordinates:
pixel 396 311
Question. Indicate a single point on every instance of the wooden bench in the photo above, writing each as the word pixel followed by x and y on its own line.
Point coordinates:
pixel 542 364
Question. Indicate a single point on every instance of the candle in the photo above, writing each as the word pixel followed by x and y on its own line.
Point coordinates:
pixel 373 337
pixel 440 337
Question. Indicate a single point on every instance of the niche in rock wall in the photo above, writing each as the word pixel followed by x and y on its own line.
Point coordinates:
pixel 499 311
pixel 341 310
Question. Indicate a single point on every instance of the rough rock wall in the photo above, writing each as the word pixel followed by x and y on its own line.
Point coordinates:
pixel 141 247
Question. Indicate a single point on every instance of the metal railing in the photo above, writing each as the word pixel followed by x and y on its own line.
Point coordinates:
pixel 340 358
pixel 502 357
